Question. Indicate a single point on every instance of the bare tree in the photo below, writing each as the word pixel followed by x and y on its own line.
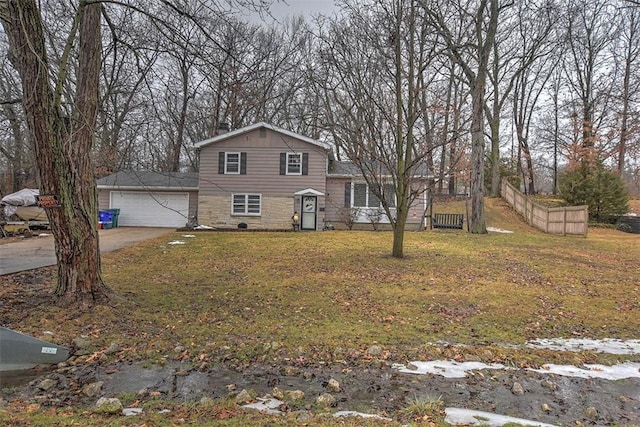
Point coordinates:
pixel 522 39
pixel 63 145
pixel 452 129
pixel 473 57
pixel 372 83
pixel 503 70
pixel 630 43
pixel 130 53
pixel 536 63
pixel 15 147
pixel 60 96
pixel 589 33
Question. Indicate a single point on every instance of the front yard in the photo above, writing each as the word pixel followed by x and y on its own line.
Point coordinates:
pixel 242 298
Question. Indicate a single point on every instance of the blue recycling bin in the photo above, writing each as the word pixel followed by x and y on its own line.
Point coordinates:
pixel 105 216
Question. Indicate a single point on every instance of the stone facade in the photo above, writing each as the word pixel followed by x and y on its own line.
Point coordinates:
pixel 214 211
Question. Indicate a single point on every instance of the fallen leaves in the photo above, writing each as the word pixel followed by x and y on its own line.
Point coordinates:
pixel 315 292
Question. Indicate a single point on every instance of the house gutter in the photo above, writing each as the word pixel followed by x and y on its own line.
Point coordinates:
pixel 147 188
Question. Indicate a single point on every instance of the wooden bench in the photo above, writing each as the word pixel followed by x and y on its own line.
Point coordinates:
pixel 447 221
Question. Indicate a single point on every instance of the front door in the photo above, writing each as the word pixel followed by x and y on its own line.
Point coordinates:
pixel 309 213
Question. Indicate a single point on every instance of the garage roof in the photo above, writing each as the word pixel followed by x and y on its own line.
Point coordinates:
pixel 150 180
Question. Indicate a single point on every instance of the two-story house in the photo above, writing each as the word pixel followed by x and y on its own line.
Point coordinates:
pixel 258 176
pixel 261 175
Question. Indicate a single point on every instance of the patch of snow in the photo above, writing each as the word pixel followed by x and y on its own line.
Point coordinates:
pixel 203 227
pixel 268 406
pixel 459 416
pixel 499 230
pixel 451 369
pixel 615 372
pixel 341 414
pixel 176 242
pixel 607 345
pixel 188 236
pixel 128 412
pixel 447 369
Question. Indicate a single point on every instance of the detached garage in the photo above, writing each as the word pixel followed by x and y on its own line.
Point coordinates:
pixel 150 199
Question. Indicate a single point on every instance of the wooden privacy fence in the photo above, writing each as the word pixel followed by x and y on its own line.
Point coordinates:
pixel 567 220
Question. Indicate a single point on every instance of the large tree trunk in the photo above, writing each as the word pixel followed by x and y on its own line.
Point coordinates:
pixel 528 174
pixel 404 143
pixel 444 135
pixel 477 222
pixel 631 55
pixel 494 125
pixel 63 147
pixel 398 230
pixel 453 145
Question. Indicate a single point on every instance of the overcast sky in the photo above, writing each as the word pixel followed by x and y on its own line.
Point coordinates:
pixel 309 8
pixel 306 7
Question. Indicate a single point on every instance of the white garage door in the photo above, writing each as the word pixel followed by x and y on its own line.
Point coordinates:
pixel 139 209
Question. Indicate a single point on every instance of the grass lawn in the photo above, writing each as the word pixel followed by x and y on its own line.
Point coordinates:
pixel 243 297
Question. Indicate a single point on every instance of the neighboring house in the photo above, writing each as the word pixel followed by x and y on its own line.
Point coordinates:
pixel 150 199
pixel 259 175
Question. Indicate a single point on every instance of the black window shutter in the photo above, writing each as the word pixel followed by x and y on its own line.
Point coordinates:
pixel 243 163
pixel 221 162
pixel 347 195
pixel 283 163
pixel 305 163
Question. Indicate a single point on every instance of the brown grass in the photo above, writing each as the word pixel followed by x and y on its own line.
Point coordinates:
pixel 312 292
pixel 242 297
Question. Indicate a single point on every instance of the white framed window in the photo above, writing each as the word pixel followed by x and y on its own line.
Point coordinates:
pixel 294 163
pixel 246 204
pixel 232 163
pixel 363 197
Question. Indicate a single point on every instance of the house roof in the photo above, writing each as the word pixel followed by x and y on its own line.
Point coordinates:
pixel 309 191
pixel 259 125
pixel 347 169
pixel 150 180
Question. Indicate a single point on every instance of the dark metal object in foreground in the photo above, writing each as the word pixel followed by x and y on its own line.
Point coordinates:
pixel 19 351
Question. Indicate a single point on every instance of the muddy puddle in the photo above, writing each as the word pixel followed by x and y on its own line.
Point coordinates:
pixel 545 398
pixel 9 379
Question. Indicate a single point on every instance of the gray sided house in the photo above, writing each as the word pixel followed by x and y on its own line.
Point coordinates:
pixel 260 175
pixel 150 199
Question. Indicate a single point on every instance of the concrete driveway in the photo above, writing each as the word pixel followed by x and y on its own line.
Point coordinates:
pixel 39 251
